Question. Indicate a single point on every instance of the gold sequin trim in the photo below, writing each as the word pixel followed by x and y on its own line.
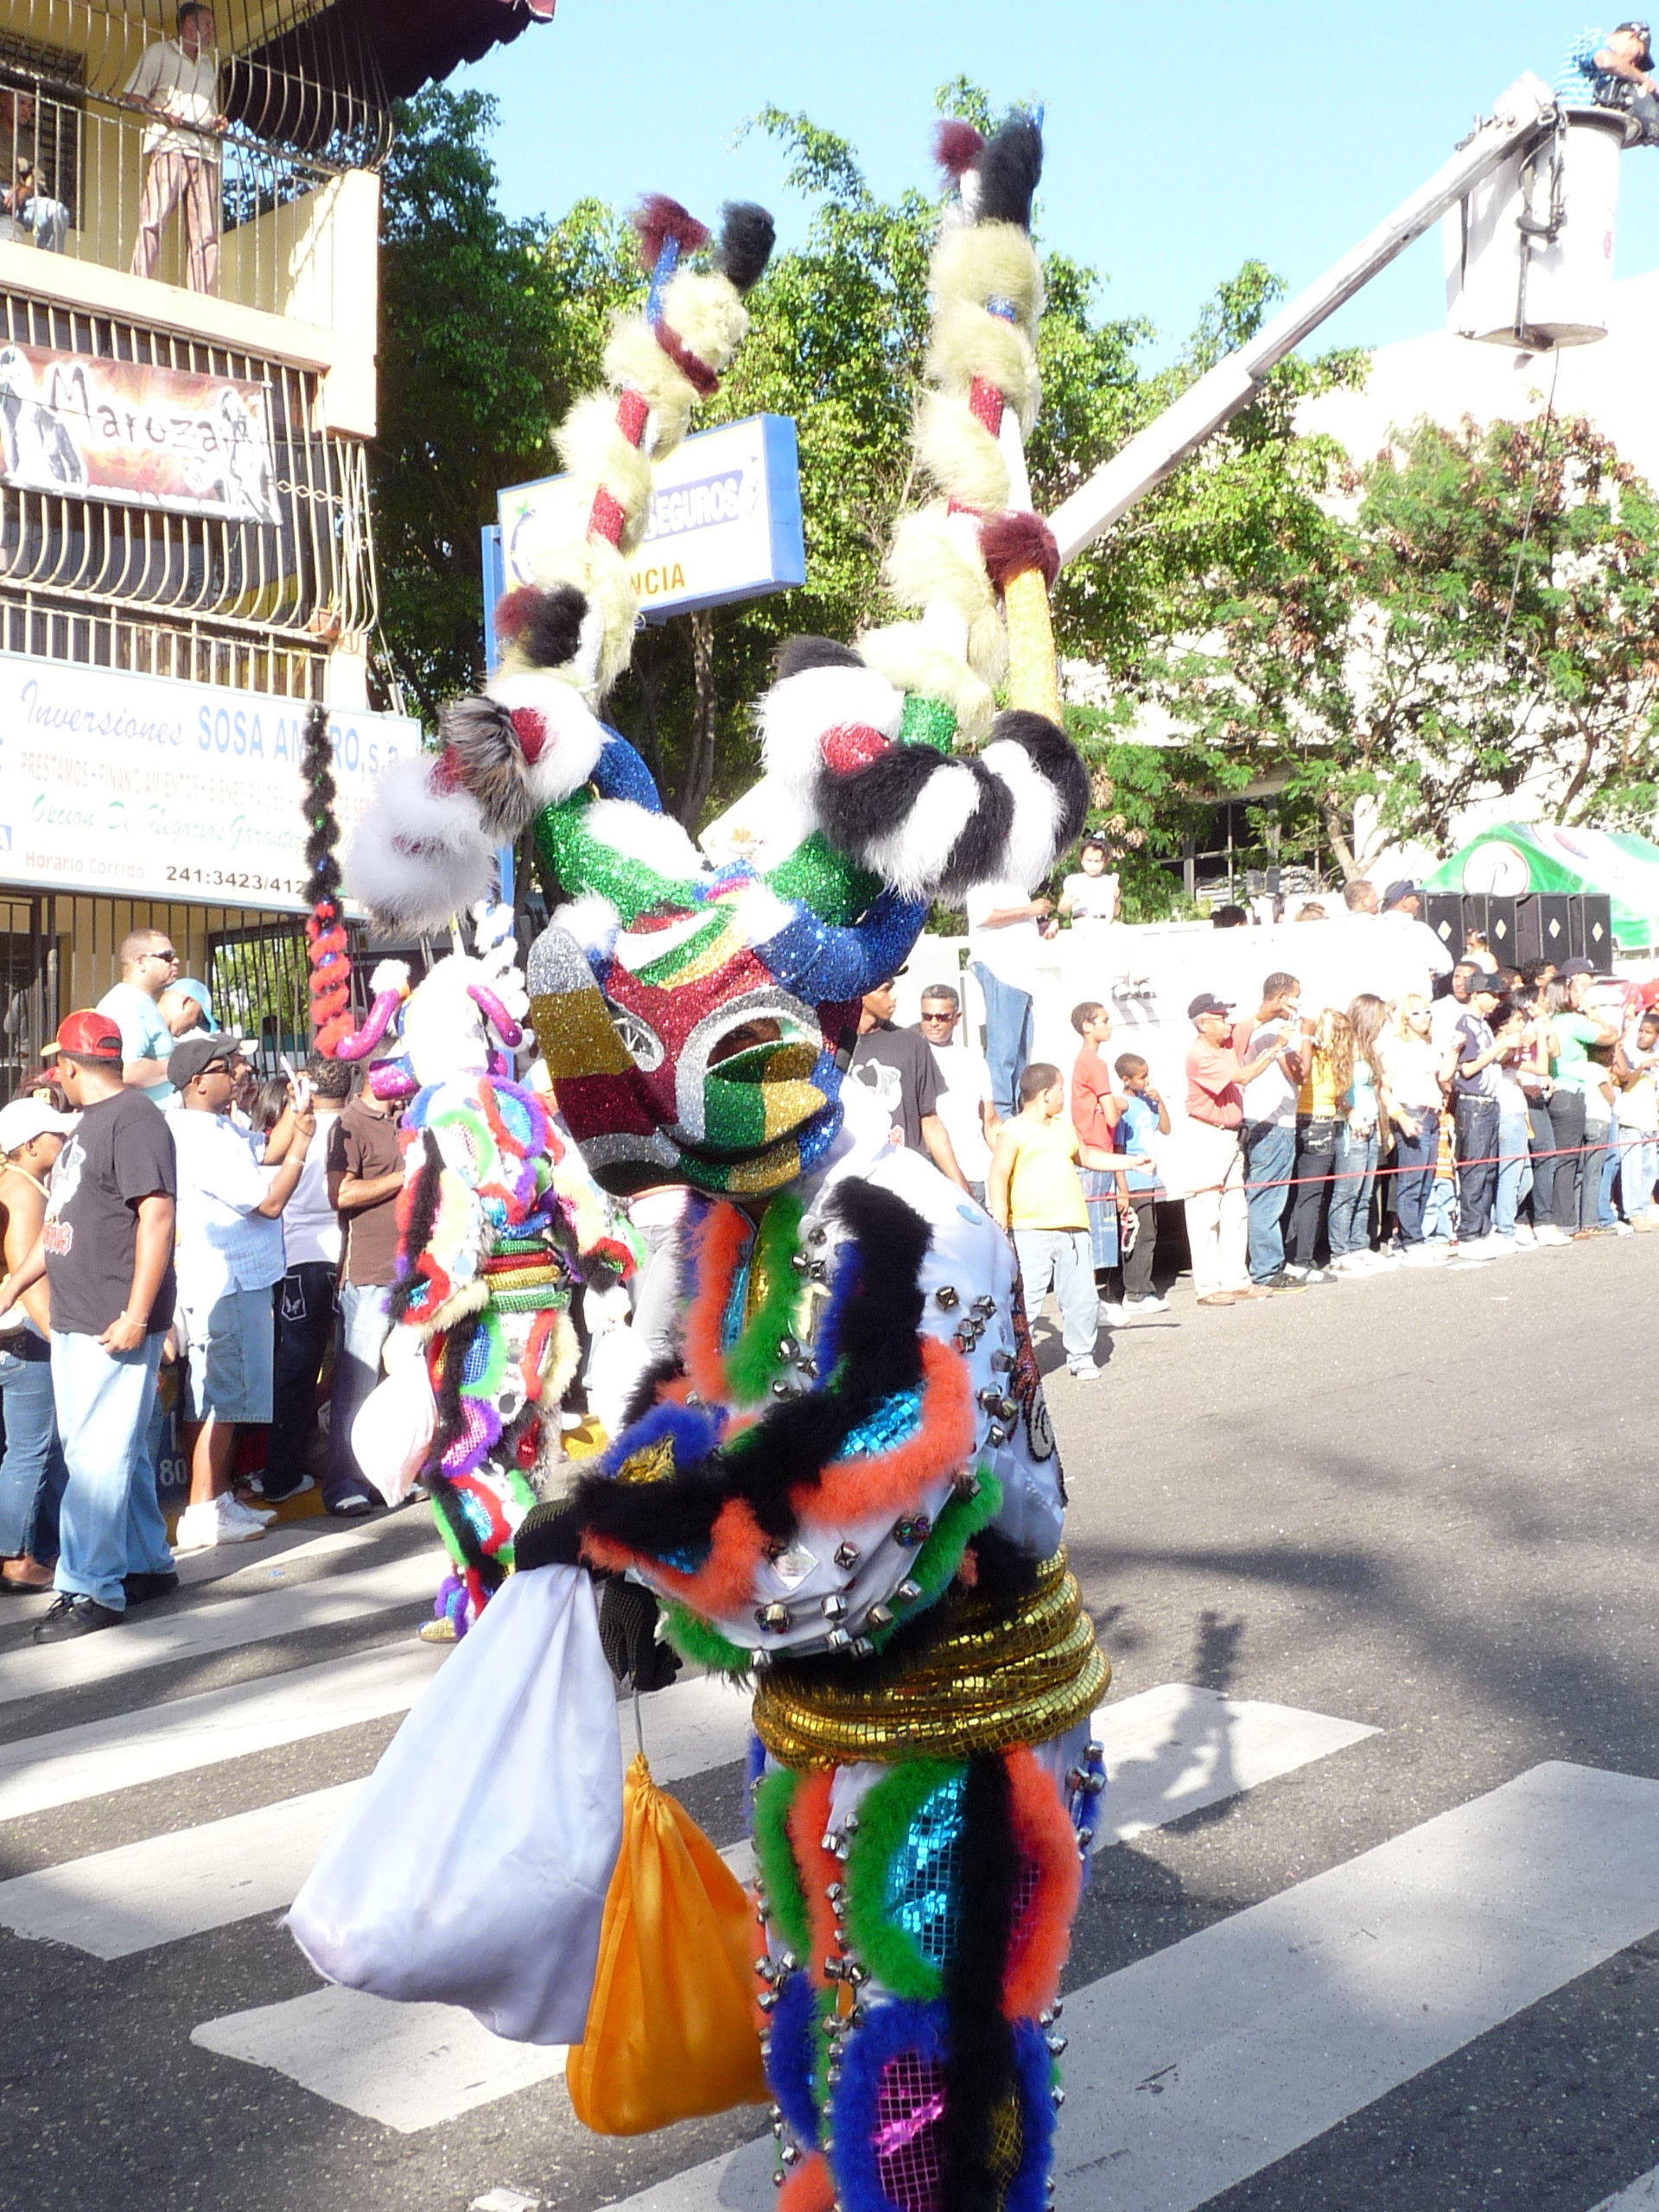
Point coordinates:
pixel 996 1676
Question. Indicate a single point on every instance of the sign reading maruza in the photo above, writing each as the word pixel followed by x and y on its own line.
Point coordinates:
pixel 77 426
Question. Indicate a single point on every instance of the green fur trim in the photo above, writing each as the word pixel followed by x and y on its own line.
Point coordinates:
pixel 694 1639
pixel 754 1358
pixel 885 1815
pixel 775 1860
pixel 935 1563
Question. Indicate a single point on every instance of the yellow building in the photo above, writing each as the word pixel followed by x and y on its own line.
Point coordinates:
pixel 186 551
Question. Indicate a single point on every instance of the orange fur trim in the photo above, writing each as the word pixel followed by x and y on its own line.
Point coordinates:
pixel 722 1585
pixel 808 1818
pixel 853 1489
pixel 720 1240
pixel 1048 1840
pixel 809 2189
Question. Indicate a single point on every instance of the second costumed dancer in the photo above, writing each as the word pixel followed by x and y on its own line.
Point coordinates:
pixel 839 1480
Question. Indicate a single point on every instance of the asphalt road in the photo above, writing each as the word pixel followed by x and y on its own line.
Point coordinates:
pixel 1421 1504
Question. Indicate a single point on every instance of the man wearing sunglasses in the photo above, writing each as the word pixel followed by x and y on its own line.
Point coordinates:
pixel 148 965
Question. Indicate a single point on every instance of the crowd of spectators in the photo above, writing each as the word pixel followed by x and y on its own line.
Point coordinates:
pixel 179 1235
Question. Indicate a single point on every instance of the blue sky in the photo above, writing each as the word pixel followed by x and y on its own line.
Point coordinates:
pixel 1178 145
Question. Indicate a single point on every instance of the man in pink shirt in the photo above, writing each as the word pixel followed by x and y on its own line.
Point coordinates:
pixel 1216 1219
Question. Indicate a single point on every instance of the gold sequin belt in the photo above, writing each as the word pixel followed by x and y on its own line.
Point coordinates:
pixel 996 1675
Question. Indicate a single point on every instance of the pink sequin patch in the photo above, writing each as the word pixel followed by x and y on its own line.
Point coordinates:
pixel 909 2120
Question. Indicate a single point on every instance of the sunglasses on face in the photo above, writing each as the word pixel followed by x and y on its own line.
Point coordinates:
pixel 939 1017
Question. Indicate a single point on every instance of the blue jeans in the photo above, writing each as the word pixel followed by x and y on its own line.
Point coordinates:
pixel 1596 1156
pixel 1513 1171
pixel 1606 1211
pixel 110 1524
pixel 1414 1158
pixel 1477 1120
pixel 49 220
pixel 1638 1170
pixel 1062 1256
pixel 1348 1224
pixel 31 1473
pixel 1008 1036
pixel 1269 1155
pixel 363 1331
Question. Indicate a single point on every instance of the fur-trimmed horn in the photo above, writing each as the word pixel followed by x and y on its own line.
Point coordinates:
pixel 747 235
pixel 929 826
pixel 1048 786
pixel 1009 170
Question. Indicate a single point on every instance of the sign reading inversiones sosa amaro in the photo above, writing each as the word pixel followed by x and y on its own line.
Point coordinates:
pixel 138 786
pixel 75 424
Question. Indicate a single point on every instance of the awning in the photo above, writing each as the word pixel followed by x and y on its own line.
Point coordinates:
pixel 416 41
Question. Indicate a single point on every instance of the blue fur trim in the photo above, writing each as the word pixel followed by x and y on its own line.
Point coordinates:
pixel 900 2025
pixel 1034 2070
pixel 842 1284
pixel 755 1762
pixel 789 2056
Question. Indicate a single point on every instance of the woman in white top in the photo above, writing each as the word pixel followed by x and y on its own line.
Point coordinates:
pixel 1416 1098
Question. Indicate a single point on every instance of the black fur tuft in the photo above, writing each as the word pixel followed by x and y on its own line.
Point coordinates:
pixel 977 855
pixel 550 635
pixel 979 2070
pixel 1008 172
pixel 747 237
pixel 1056 757
pixel 797 655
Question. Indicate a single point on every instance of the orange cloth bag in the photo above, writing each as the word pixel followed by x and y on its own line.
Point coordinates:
pixel 670 2028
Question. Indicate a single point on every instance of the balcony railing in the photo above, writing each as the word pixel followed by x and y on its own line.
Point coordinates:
pixel 297 87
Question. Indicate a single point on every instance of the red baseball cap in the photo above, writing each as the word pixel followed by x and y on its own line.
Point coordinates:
pixel 90 1036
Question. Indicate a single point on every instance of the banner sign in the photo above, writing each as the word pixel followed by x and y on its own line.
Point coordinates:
pixel 724 521
pixel 71 423
pixel 139 787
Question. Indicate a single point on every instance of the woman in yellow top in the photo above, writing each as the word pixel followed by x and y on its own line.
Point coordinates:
pixel 1328 1069
pixel 1033 1189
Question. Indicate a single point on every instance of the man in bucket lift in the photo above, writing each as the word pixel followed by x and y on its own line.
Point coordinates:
pixel 1614 69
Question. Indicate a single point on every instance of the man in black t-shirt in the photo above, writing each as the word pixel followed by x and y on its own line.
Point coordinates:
pixel 898 1065
pixel 107 1251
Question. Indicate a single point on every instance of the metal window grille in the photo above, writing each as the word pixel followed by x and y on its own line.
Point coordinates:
pixel 58 951
pixel 312 573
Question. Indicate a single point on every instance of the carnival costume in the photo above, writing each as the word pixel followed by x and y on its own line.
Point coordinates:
pixel 841 1480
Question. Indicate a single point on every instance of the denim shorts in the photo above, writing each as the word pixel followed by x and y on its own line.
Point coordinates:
pixel 232 1353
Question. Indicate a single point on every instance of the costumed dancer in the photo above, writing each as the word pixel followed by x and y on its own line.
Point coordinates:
pixel 842 1483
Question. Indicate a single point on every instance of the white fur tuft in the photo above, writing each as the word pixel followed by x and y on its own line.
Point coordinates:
pixel 908 657
pixel 419 855
pixel 389 976
pixel 656 839
pixel 1033 837
pixel 795 714
pixel 592 921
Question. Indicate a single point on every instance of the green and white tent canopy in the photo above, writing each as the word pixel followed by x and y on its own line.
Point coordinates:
pixel 1518 857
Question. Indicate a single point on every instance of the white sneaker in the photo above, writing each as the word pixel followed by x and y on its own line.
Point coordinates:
pixel 1150 1304
pixel 1623 1229
pixel 261 1515
pixel 1550 1235
pixel 1084 1369
pixel 218 1522
pixel 1420 1255
pixel 1111 1317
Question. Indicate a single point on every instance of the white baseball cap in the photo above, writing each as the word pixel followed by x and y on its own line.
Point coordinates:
pixel 31 1117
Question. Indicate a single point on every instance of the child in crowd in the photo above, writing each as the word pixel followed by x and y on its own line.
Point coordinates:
pixel 1142 1116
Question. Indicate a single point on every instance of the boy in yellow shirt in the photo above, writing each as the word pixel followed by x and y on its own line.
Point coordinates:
pixel 1034 1191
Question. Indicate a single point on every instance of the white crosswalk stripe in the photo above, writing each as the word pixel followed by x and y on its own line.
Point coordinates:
pixel 1188 2071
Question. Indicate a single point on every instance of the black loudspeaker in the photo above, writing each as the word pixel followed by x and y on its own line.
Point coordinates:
pixel 1443 912
pixel 1543 927
pixel 1593 918
pixel 1501 927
